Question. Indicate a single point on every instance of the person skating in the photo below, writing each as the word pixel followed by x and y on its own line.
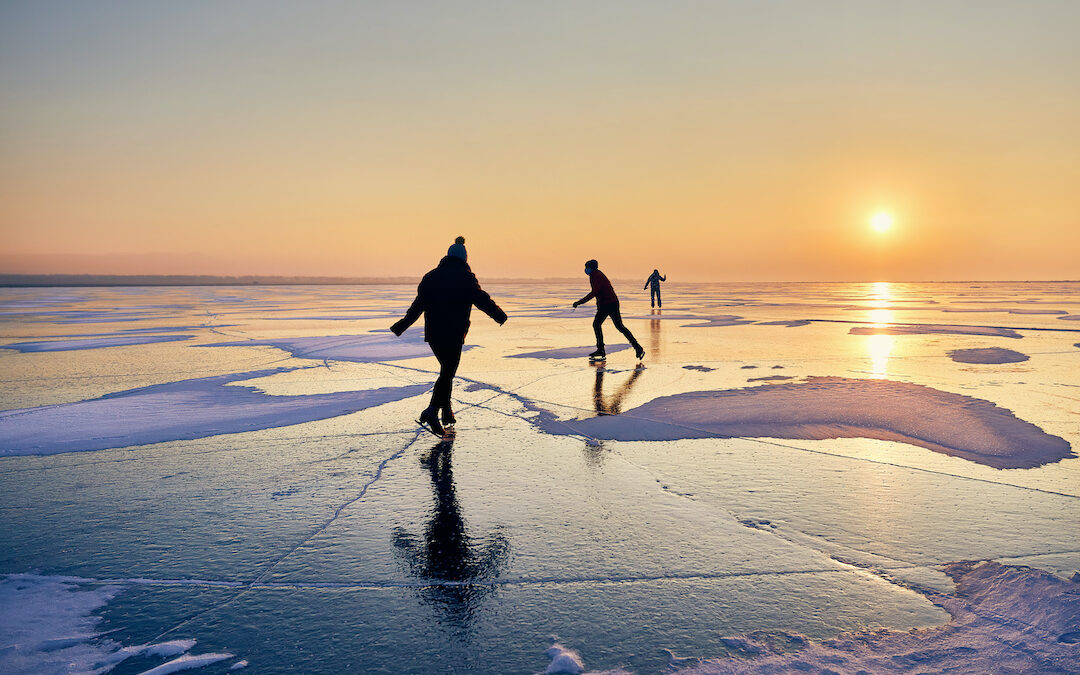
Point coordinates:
pixel 607 304
pixel 654 292
pixel 445 297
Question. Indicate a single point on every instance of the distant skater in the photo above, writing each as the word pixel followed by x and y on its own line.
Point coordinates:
pixel 607 304
pixel 653 284
pixel 445 297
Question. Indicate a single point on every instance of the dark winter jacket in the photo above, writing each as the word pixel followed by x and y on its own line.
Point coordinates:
pixel 601 290
pixel 654 279
pixel 445 297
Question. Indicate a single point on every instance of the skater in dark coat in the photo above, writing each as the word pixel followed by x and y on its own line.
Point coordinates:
pixel 654 292
pixel 445 297
pixel 607 304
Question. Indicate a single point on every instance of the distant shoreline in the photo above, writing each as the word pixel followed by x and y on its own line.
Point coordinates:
pixel 76 280
pixel 60 280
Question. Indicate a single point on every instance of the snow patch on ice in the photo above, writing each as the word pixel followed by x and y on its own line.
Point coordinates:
pixel 794 323
pixel 1070 317
pixel 987 355
pixel 934 329
pixel 182 410
pixel 1003 310
pixel 367 348
pixel 836 407
pixel 137 331
pixel 187 662
pixel 47 625
pixel 1004 619
pixel 703 369
pixel 92 343
pixel 563 660
pixel 106 316
pixel 566 352
pixel 720 320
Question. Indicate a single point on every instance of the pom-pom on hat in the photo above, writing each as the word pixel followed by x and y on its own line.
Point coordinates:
pixel 457 249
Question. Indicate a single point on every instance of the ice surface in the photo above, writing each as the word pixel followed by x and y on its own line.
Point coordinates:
pixel 567 352
pixel 368 348
pixel 314 539
pixel 834 407
pixel 181 410
pixel 987 355
pixel 92 343
pixel 938 329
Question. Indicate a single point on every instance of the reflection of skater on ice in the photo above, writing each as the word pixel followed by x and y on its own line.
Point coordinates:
pixel 446 552
pixel 607 304
pixel 612 405
pixel 445 297
pixel 653 284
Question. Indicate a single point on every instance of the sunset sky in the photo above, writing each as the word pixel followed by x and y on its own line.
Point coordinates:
pixel 714 140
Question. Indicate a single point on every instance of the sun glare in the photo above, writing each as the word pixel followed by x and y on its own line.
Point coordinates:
pixel 881 221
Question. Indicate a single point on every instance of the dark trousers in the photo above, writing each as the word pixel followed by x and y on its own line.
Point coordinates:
pixel 654 296
pixel 449 356
pixel 604 311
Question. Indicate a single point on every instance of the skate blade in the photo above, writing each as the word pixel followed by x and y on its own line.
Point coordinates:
pixel 431 431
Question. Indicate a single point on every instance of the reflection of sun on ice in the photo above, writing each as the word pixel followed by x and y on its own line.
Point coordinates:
pixel 880 346
pixel 881 221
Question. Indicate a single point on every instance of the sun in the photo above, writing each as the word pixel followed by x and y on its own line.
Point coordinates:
pixel 882 221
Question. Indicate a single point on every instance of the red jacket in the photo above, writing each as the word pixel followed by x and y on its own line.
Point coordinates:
pixel 601 290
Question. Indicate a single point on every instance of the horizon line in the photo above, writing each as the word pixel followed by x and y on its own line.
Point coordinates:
pixel 105 280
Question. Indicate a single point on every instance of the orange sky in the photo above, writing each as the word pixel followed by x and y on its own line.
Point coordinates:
pixel 716 141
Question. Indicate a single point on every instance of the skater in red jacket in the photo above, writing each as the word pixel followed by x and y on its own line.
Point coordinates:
pixel 607 304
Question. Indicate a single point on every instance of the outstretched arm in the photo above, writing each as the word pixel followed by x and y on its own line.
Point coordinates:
pixel 663 278
pixel 485 304
pixel 413 313
pixel 590 296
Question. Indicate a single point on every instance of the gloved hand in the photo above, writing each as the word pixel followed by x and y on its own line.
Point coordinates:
pixel 576 303
pixel 397 329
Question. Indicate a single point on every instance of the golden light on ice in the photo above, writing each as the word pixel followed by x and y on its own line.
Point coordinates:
pixel 881 221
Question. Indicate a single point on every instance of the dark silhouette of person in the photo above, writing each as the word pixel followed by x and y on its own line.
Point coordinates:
pixel 445 297
pixel 653 284
pixel 446 554
pixel 607 304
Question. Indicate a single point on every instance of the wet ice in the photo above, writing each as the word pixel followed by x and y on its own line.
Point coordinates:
pixel 327 532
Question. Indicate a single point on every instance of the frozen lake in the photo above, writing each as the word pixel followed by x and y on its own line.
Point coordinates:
pixel 231 477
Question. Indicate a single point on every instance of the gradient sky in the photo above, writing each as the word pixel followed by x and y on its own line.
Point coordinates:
pixel 714 140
